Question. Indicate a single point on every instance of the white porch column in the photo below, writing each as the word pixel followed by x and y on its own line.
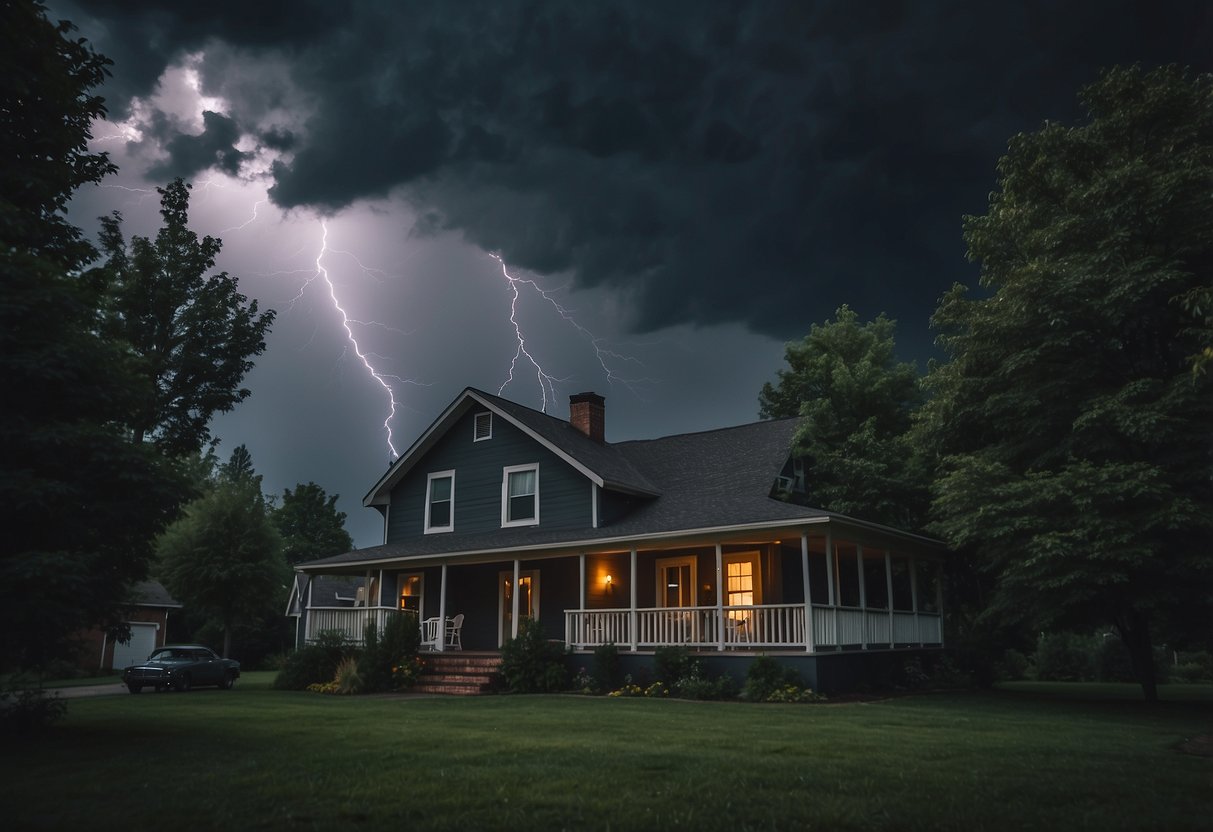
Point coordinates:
pixel 914 597
pixel 441 640
pixel 719 597
pixel 863 596
pixel 808 595
pixel 888 578
pixel 579 626
pixel 632 612
pixel 514 598
pixel 366 603
pixel 833 634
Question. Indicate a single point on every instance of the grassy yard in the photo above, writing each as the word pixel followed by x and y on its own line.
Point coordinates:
pixel 265 759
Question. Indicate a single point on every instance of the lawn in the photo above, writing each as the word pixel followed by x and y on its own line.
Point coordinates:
pixel 260 758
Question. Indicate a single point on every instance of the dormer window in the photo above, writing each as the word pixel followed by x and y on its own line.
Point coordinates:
pixel 520 495
pixel 440 502
pixel 483 428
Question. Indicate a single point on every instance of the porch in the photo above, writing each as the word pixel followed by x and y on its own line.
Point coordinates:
pixel 811 594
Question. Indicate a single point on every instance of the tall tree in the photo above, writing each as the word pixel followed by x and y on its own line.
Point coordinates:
pixel 856 402
pixel 194 334
pixel 1073 433
pixel 223 557
pixel 310 524
pixel 81 505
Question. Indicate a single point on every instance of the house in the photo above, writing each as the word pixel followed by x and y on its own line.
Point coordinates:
pixel 147 611
pixel 501 512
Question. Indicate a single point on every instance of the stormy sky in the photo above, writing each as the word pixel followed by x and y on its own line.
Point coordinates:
pixel 680 187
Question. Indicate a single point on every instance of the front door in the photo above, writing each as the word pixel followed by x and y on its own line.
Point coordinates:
pixel 528 601
pixel 676 582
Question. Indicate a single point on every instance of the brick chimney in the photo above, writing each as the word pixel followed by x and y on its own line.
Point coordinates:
pixel 587 413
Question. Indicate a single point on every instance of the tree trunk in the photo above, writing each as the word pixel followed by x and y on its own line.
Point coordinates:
pixel 1135 633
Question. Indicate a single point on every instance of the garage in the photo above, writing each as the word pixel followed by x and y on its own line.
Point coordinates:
pixel 141 645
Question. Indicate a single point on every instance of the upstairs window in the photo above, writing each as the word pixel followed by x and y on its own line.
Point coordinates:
pixel 520 495
pixel 483 428
pixel 440 502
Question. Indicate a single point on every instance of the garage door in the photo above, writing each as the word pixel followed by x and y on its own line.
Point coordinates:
pixel 142 643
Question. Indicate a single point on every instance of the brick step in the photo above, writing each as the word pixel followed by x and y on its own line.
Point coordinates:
pixel 449 689
pixel 455 678
pixel 460 667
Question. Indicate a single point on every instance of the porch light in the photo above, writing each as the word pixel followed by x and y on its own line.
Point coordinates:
pixel 607 580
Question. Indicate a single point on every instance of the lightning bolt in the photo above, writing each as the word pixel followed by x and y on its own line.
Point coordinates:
pixel 547 382
pixel 381 378
pixel 247 222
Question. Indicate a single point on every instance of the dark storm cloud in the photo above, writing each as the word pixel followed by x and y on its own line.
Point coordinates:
pixel 214 147
pixel 759 162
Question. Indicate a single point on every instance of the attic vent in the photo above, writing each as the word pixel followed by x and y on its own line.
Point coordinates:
pixel 484 426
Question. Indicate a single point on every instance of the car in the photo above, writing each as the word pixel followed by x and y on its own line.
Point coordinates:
pixel 181 667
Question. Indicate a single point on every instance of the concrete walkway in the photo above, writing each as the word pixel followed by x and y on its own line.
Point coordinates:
pixel 83 691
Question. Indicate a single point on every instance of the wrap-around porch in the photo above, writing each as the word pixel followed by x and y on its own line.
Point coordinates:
pixel 812 593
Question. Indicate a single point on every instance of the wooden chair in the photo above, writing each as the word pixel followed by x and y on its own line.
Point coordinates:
pixel 430 629
pixel 454 638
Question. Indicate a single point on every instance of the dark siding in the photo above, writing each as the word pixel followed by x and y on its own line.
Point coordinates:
pixel 564 493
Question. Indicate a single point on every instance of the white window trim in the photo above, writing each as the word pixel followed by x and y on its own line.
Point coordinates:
pixel 476 419
pixel 685 560
pixel 429 482
pixel 505 495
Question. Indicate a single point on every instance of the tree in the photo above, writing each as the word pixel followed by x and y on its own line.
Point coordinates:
pixel 1073 434
pixel 224 557
pixel 81 504
pixel 194 335
pixel 856 402
pixel 310 524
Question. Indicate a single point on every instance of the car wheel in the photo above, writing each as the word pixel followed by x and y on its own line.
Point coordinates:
pixel 134 688
pixel 229 682
pixel 183 684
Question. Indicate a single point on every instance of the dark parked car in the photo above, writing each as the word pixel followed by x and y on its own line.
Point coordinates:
pixel 181 667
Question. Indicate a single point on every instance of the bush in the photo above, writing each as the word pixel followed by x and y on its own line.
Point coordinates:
pixel 606 674
pixel 532 664
pixel 1012 667
pixel 314 664
pixel 672 664
pixel 766 676
pixel 389 660
pixel 1065 657
pixel 695 684
pixel 794 694
pixel 27 712
pixel 1193 667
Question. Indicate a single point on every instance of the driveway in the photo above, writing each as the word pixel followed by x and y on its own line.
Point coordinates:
pixel 83 691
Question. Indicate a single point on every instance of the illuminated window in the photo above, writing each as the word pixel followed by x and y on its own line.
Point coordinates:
pixel 740 587
pixel 411 591
pixel 440 502
pixel 520 495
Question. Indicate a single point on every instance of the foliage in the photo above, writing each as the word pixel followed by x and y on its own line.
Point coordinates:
pixel 1193 667
pixel 223 556
pixel 855 401
pixel 81 503
pixel 672 663
pixel 310 524
pixel 314 663
pixel 532 664
pixel 695 683
pixel 606 673
pixel 1100 657
pixel 1072 433
pixel 193 335
pixel 1012 666
pixel 766 676
pixel 29 711
pixel 346 680
pixel 389 660
pixel 790 693
pixel 656 690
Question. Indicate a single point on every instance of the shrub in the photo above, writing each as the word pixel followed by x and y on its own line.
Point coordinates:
pixel 314 663
pixel 794 694
pixel 606 673
pixel 583 682
pixel 696 684
pixel 764 677
pixel 27 712
pixel 1012 667
pixel 672 663
pixel 1065 657
pixel 1193 667
pixel 532 664
pixel 389 660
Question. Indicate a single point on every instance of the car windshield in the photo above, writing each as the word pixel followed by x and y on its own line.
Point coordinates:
pixel 173 654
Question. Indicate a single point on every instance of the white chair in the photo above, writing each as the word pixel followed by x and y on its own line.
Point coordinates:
pixel 454 628
pixel 430 629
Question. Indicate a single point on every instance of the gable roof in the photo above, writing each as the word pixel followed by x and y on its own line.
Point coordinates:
pixel 151 594
pixel 601 463
pixel 712 481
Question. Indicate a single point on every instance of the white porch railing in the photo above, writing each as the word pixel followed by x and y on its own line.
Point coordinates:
pixel 745 627
pixel 348 621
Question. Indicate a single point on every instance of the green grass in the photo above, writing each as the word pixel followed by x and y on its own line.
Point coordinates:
pixel 259 758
